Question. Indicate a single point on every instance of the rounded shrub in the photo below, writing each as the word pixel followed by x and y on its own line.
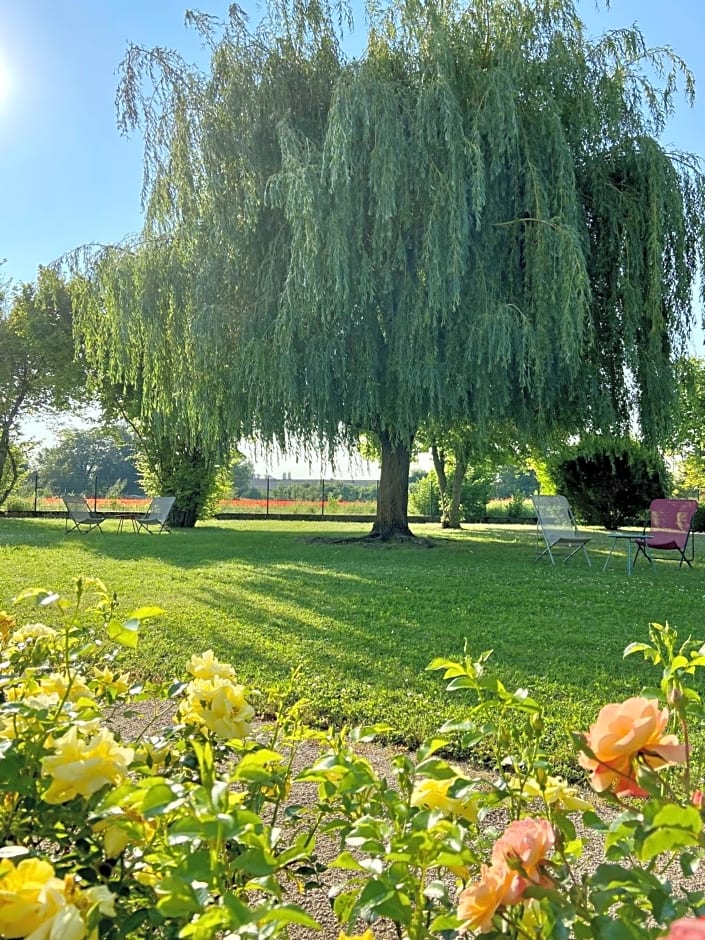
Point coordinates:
pixel 610 481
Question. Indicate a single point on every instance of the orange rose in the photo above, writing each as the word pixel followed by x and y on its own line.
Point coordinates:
pixel 687 928
pixel 479 902
pixel 517 858
pixel 623 734
pixel 523 847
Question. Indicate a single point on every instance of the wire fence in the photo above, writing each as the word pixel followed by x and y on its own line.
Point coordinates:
pixel 264 497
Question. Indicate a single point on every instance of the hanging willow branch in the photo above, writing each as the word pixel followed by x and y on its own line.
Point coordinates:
pixel 474 222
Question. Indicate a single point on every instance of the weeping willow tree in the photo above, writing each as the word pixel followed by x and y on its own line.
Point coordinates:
pixel 164 321
pixel 491 232
pixel 146 345
pixel 474 223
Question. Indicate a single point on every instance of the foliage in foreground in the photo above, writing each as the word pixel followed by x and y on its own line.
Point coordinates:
pixel 197 831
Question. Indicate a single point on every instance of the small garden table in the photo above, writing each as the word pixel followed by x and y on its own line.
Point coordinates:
pixel 123 517
pixel 627 537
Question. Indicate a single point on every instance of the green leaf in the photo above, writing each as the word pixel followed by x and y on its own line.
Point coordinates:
pixel 256 760
pixel 367 733
pixel 672 827
pixel 256 861
pixel 161 799
pixel 146 613
pixel 461 682
pixel 290 914
pixel 430 747
pixel 177 898
pixel 40 596
pixel 636 648
pixel 126 634
pixel 346 861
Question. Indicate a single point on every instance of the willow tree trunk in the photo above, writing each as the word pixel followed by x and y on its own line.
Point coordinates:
pixel 183 518
pixel 392 520
pixel 451 494
pixel 451 511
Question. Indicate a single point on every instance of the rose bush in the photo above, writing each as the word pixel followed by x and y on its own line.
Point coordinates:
pixel 195 829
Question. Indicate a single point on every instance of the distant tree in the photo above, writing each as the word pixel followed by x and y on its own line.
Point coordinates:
pixel 511 479
pixel 79 456
pixel 38 369
pixel 459 450
pixel 174 458
pixel 243 473
pixel 183 470
pixel 687 442
pixel 425 495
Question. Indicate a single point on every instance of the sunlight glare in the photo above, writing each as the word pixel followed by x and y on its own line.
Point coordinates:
pixel 5 82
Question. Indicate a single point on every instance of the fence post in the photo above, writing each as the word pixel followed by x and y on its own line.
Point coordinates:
pixel 323 497
pixel 95 493
pixel 36 487
pixel 267 495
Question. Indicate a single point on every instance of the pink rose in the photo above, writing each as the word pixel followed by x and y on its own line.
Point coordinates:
pixel 687 928
pixel 523 847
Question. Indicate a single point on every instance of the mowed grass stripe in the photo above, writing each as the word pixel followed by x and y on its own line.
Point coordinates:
pixel 363 621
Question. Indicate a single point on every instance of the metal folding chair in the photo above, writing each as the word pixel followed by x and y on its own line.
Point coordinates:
pixel 556 523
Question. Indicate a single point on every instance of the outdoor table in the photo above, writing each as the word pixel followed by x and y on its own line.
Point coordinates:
pixel 627 537
pixel 123 517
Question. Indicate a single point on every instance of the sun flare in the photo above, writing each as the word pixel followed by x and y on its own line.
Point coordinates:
pixel 5 82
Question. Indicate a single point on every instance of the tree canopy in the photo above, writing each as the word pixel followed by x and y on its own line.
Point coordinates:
pixel 78 457
pixel 473 222
pixel 38 370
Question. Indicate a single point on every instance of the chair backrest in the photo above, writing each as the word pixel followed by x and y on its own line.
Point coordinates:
pixel 77 508
pixel 672 518
pixel 160 507
pixel 554 516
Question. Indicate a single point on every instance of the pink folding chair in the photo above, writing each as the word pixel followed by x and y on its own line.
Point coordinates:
pixel 670 529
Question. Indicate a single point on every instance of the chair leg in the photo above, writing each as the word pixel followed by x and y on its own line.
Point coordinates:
pixel 641 549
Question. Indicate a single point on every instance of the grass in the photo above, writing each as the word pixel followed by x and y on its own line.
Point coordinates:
pixel 362 622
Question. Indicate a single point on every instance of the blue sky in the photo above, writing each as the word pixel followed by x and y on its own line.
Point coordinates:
pixel 67 176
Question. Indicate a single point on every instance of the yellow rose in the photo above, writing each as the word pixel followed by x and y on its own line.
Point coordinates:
pixel 31 897
pixel 21 910
pixel 100 895
pixel 555 791
pixel 12 726
pixel 37 905
pixel 69 688
pixel 81 768
pixel 7 624
pixel 106 682
pixel 33 631
pixel 206 666
pixel 218 705
pixel 433 794
pixel 125 825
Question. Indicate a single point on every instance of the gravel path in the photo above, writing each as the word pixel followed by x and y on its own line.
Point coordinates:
pixel 316 902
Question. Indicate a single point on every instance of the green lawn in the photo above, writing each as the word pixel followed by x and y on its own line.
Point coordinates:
pixel 363 621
